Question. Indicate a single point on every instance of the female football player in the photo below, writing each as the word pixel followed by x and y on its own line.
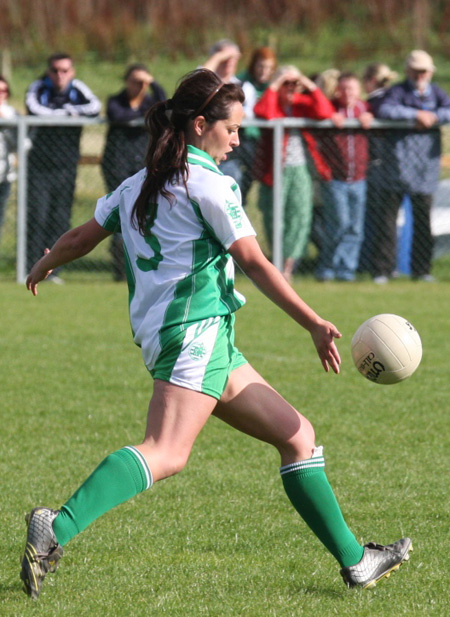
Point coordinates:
pixel 182 225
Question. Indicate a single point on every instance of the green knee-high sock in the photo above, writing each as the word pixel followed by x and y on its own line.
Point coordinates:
pixel 121 476
pixel 307 487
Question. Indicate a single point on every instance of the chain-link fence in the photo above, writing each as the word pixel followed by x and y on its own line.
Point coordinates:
pixel 335 203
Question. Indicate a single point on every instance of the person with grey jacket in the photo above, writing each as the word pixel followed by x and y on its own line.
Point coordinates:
pixel 416 165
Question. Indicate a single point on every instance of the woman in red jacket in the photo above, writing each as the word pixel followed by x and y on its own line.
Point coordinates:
pixel 290 94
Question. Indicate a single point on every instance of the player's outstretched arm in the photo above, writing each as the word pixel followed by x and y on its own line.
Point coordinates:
pixel 248 255
pixel 70 246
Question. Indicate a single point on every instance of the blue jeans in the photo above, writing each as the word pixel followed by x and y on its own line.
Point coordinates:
pixel 344 205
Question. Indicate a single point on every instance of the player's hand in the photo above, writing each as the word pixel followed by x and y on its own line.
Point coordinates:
pixel 323 335
pixel 37 274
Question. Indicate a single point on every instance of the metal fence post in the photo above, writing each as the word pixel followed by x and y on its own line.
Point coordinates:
pixel 22 141
pixel 277 241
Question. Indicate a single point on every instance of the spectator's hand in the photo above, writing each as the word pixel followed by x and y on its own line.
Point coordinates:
pixel 288 76
pixel 223 55
pixel 338 120
pixel 366 119
pixel 426 119
pixel 306 84
pixel 70 109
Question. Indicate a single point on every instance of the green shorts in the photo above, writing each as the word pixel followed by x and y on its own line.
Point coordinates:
pixel 201 357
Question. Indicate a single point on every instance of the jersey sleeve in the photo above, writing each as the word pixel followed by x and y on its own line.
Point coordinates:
pixel 222 211
pixel 107 211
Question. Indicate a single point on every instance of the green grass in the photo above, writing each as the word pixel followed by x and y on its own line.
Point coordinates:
pixel 221 539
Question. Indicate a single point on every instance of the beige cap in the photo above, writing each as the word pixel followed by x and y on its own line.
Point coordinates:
pixel 419 60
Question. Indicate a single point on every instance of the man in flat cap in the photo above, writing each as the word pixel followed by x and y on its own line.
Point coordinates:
pixel 415 168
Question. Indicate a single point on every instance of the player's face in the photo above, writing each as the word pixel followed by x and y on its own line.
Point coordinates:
pixel 221 137
pixel 61 73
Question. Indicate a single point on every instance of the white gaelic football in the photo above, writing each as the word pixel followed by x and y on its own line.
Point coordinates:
pixel 386 349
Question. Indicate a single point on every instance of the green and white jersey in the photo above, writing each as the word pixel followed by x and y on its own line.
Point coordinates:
pixel 180 272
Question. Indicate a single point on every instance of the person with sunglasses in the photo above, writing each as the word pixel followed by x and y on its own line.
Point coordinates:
pixel 290 94
pixel 53 158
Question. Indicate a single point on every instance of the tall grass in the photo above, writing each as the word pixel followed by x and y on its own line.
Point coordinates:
pixel 221 539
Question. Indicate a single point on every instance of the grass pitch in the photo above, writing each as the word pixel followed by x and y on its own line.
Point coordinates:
pixel 221 539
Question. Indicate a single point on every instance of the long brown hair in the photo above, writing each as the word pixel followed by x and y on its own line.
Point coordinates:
pixel 167 122
pixel 261 53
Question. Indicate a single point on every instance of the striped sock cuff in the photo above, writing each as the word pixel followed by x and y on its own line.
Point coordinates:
pixel 139 457
pixel 317 461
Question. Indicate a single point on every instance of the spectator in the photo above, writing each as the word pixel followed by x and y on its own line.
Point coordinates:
pixel 254 81
pixel 53 158
pixel 344 196
pixel 417 153
pixel 290 94
pixel 8 143
pixel 327 81
pixel 223 60
pixel 377 78
pixel 126 145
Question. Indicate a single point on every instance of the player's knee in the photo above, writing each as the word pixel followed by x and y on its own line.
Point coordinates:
pixel 301 444
pixel 173 463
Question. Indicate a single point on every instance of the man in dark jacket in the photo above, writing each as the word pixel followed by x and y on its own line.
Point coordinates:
pixel 126 143
pixel 417 155
pixel 53 158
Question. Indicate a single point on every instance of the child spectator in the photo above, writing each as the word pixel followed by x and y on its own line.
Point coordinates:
pixel 344 196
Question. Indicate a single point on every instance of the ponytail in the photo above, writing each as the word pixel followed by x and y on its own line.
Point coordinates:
pixel 166 158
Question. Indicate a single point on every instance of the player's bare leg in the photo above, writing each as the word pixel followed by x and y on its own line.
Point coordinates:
pixel 252 406
pixel 176 416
